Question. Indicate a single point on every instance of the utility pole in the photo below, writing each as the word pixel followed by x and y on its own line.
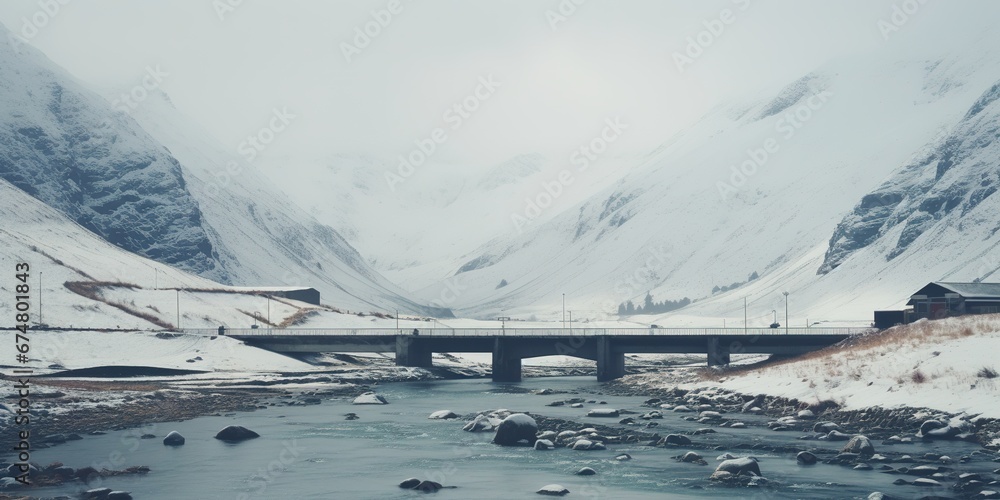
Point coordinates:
pixel 268 310
pixel 786 312
pixel 746 328
pixel 564 311
pixel 397 319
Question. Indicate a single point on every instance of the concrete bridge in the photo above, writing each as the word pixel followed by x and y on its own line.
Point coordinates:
pixel 606 346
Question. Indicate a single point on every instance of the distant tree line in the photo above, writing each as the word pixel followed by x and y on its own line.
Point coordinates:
pixel 649 306
pixel 720 289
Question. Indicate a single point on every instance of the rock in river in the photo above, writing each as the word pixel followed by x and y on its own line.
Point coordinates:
pixel 677 440
pixel 806 458
pixel 586 471
pixel 737 467
pixel 553 490
pixel 173 439
pixel 235 434
pixel 544 445
pixel 443 415
pixel 860 445
pixel 603 413
pixel 515 429
pixel 409 484
pixel 370 398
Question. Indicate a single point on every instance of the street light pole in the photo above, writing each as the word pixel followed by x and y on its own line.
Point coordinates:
pixel 745 317
pixel 397 319
pixel 786 312
pixel 564 311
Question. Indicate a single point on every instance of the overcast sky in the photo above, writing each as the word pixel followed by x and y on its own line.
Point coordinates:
pixel 609 58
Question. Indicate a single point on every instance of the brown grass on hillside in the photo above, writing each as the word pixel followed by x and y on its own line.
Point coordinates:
pixel 92 291
pixel 885 341
pixel 298 318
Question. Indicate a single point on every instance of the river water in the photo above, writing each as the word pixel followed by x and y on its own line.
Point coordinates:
pixel 312 452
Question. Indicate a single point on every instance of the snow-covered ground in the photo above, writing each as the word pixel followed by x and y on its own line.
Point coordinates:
pixel 944 365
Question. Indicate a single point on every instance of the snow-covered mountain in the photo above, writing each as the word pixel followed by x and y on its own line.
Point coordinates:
pixel 760 186
pixel 949 191
pixel 191 204
pixel 70 149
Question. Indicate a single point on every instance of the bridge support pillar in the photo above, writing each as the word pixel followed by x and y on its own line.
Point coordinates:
pixel 412 352
pixel 718 352
pixel 610 364
pixel 506 363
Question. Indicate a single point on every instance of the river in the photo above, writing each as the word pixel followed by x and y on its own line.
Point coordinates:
pixel 312 452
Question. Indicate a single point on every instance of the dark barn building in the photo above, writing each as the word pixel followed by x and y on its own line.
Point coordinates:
pixel 300 293
pixel 942 300
pixel 307 295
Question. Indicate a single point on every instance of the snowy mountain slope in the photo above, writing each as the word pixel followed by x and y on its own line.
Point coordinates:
pixel 688 221
pixel 185 205
pixel 68 148
pixel 261 236
pixel 60 251
pixel 939 191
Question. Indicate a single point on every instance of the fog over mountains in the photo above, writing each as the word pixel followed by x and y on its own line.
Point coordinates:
pixel 847 185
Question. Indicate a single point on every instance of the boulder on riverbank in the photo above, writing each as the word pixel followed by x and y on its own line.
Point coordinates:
pixel 516 430
pixel 370 398
pixel 236 434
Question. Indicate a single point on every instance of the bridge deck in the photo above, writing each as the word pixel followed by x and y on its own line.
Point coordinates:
pixel 524 332
pixel 606 346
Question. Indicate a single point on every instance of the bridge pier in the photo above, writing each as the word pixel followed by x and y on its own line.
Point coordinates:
pixel 718 352
pixel 506 363
pixel 610 364
pixel 410 351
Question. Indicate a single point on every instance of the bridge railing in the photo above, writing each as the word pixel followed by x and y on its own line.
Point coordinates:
pixel 523 332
